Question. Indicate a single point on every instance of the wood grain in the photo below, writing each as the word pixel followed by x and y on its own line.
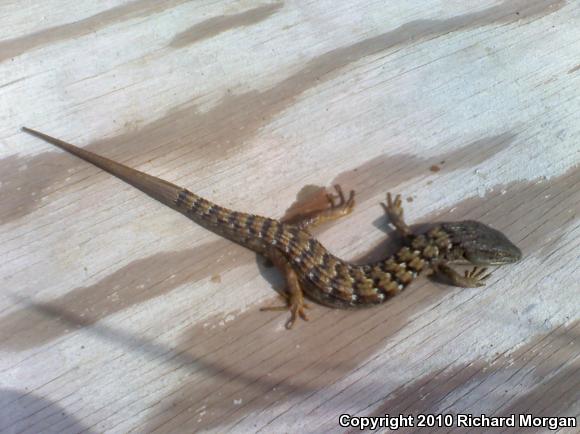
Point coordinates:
pixel 119 315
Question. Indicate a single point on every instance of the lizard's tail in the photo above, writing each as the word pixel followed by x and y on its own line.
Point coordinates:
pixel 235 226
pixel 163 191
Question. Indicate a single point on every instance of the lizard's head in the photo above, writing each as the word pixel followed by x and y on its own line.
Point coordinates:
pixel 475 243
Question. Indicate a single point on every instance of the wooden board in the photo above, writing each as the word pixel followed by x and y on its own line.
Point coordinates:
pixel 119 315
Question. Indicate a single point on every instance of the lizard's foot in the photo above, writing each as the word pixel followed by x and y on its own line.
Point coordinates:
pixel 293 293
pixel 296 306
pixel 394 211
pixel 476 277
pixel 470 279
pixel 338 201
pixel 394 208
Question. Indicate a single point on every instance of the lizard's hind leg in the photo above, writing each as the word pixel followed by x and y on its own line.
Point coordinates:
pixel 294 295
pixel 338 206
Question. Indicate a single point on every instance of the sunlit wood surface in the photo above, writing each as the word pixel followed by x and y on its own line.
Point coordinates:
pixel 119 315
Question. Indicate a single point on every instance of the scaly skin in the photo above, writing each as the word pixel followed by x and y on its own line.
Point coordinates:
pixel 309 268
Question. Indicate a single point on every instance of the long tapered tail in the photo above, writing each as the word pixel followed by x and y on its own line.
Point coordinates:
pixel 236 226
pixel 163 191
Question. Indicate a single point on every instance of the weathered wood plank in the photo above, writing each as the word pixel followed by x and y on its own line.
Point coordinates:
pixel 119 315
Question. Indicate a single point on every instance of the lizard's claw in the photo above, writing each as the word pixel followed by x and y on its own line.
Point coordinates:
pixel 394 208
pixel 394 211
pixel 338 200
pixel 477 276
pixel 295 305
pixel 296 310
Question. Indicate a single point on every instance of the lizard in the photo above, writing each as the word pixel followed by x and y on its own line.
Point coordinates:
pixel 310 270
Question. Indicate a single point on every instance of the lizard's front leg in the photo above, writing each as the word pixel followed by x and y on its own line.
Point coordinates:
pixel 470 279
pixel 338 206
pixel 293 293
pixel 394 211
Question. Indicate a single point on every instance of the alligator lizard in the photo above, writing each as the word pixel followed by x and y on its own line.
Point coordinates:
pixel 310 270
